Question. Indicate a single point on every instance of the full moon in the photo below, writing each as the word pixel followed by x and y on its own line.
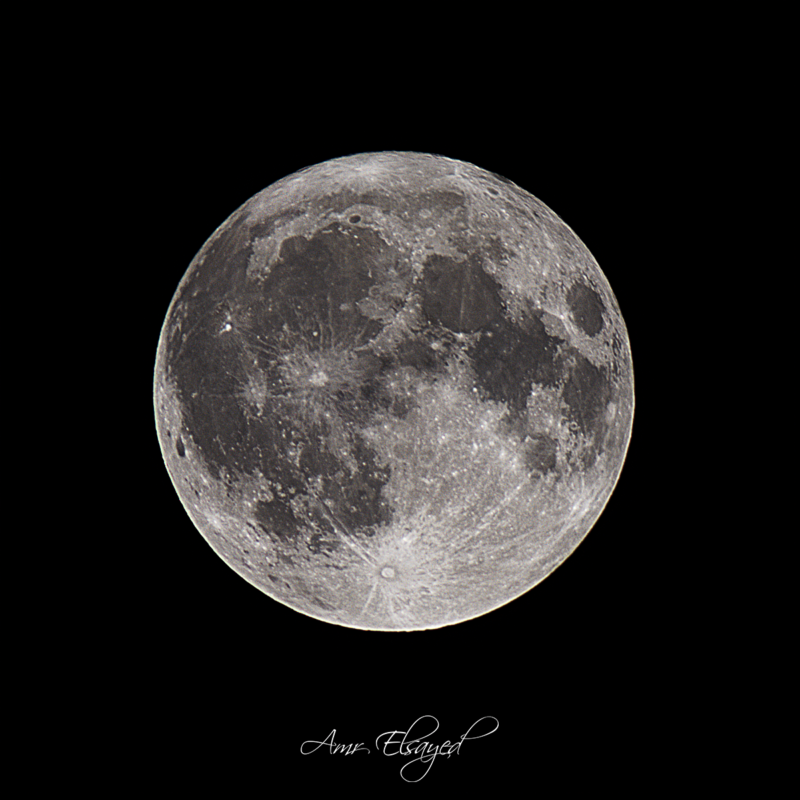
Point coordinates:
pixel 394 391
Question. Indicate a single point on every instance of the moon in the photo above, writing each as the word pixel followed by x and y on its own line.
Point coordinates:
pixel 394 391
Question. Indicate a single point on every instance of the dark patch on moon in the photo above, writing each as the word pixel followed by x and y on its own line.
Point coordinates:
pixel 320 280
pixel 419 354
pixel 586 308
pixel 541 453
pixel 511 356
pixel 219 427
pixel 276 519
pixel 459 294
pixel 315 458
pixel 586 392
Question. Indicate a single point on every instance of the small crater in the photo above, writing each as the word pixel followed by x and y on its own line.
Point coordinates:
pixel 179 448
pixel 355 218
pixel 388 573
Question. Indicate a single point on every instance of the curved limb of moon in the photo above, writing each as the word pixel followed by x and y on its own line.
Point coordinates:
pixel 394 391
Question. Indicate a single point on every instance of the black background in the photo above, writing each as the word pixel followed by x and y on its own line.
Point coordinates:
pixel 577 671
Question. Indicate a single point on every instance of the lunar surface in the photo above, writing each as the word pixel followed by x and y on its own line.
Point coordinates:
pixel 394 391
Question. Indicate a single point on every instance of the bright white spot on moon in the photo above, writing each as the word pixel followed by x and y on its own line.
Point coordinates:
pixel 318 378
pixel 387 572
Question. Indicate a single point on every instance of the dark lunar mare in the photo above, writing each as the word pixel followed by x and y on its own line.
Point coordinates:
pixel 510 356
pixel 308 301
pixel 459 295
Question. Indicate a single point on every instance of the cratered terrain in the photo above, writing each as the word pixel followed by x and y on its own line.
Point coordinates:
pixel 394 391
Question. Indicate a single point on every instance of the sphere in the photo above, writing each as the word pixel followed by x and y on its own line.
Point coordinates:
pixel 394 391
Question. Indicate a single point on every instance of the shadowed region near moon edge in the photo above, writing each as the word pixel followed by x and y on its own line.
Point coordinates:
pixel 369 406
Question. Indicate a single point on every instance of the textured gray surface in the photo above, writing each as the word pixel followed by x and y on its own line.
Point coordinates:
pixel 394 391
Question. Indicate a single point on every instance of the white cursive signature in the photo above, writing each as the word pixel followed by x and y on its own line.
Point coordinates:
pixel 411 742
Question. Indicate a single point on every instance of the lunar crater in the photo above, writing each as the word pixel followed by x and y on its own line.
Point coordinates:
pixel 403 388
